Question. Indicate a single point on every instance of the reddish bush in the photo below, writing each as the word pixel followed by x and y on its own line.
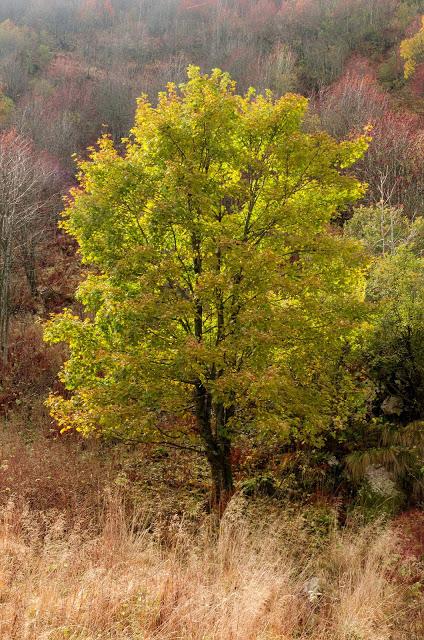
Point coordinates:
pixel 46 474
pixel 394 164
pixel 32 367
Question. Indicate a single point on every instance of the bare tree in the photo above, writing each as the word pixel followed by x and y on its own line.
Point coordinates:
pixel 23 177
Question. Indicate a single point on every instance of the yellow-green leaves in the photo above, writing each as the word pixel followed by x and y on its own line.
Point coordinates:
pixel 216 268
pixel 412 51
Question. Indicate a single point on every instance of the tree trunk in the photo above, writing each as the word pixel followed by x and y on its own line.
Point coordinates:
pixel 222 476
pixel 217 448
pixel 4 302
pixel 28 256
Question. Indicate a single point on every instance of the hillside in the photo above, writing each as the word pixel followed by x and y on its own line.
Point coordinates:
pixel 211 319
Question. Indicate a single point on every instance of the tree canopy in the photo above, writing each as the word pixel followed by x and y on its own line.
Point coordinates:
pixel 218 296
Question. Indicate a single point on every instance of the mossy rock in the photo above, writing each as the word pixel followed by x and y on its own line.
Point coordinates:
pixel 378 496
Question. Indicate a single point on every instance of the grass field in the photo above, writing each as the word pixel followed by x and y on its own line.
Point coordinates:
pixel 80 559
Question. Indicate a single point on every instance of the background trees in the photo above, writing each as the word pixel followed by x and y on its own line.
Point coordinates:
pixel 121 48
pixel 393 166
pixel 384 229
pixel 23 178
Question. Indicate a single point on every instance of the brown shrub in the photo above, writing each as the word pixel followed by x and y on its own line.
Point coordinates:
pixel 52 475
pixel 32 370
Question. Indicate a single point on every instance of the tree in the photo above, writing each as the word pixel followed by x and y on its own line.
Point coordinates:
pixel 22 179
pixel 384 229
pixel 392 359
pixel 6 109
pixel 279 69
pixel 218 293
pixel 412 51
pixel 23 54
pixel 395 348
pixel 354 101
pixel 390 355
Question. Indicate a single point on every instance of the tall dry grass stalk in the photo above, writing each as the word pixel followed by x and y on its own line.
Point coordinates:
pixel 142 583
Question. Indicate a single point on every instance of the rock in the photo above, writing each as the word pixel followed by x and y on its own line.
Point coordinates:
pixel 381 482
pixel 392 406
pixel 332 461
pixel 312 589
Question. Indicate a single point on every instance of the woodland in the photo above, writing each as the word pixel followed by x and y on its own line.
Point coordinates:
pixel 212 319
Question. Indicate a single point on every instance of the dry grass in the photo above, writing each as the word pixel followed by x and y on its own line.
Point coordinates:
pixel 141 583
pixel 75 565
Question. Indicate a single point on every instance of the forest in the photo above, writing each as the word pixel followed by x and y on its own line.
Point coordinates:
pixel 212 319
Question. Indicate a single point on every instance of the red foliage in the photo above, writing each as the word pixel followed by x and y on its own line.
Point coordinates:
pixel 410 526
pixel 11 140
pixel 410 531
pixel 354 101
pixel 397 149
pixel 262 13
pixel 98 8
pixel 413 27
pixel 65 66
pixel 305 12
pixel 395 161
pixel 416 83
